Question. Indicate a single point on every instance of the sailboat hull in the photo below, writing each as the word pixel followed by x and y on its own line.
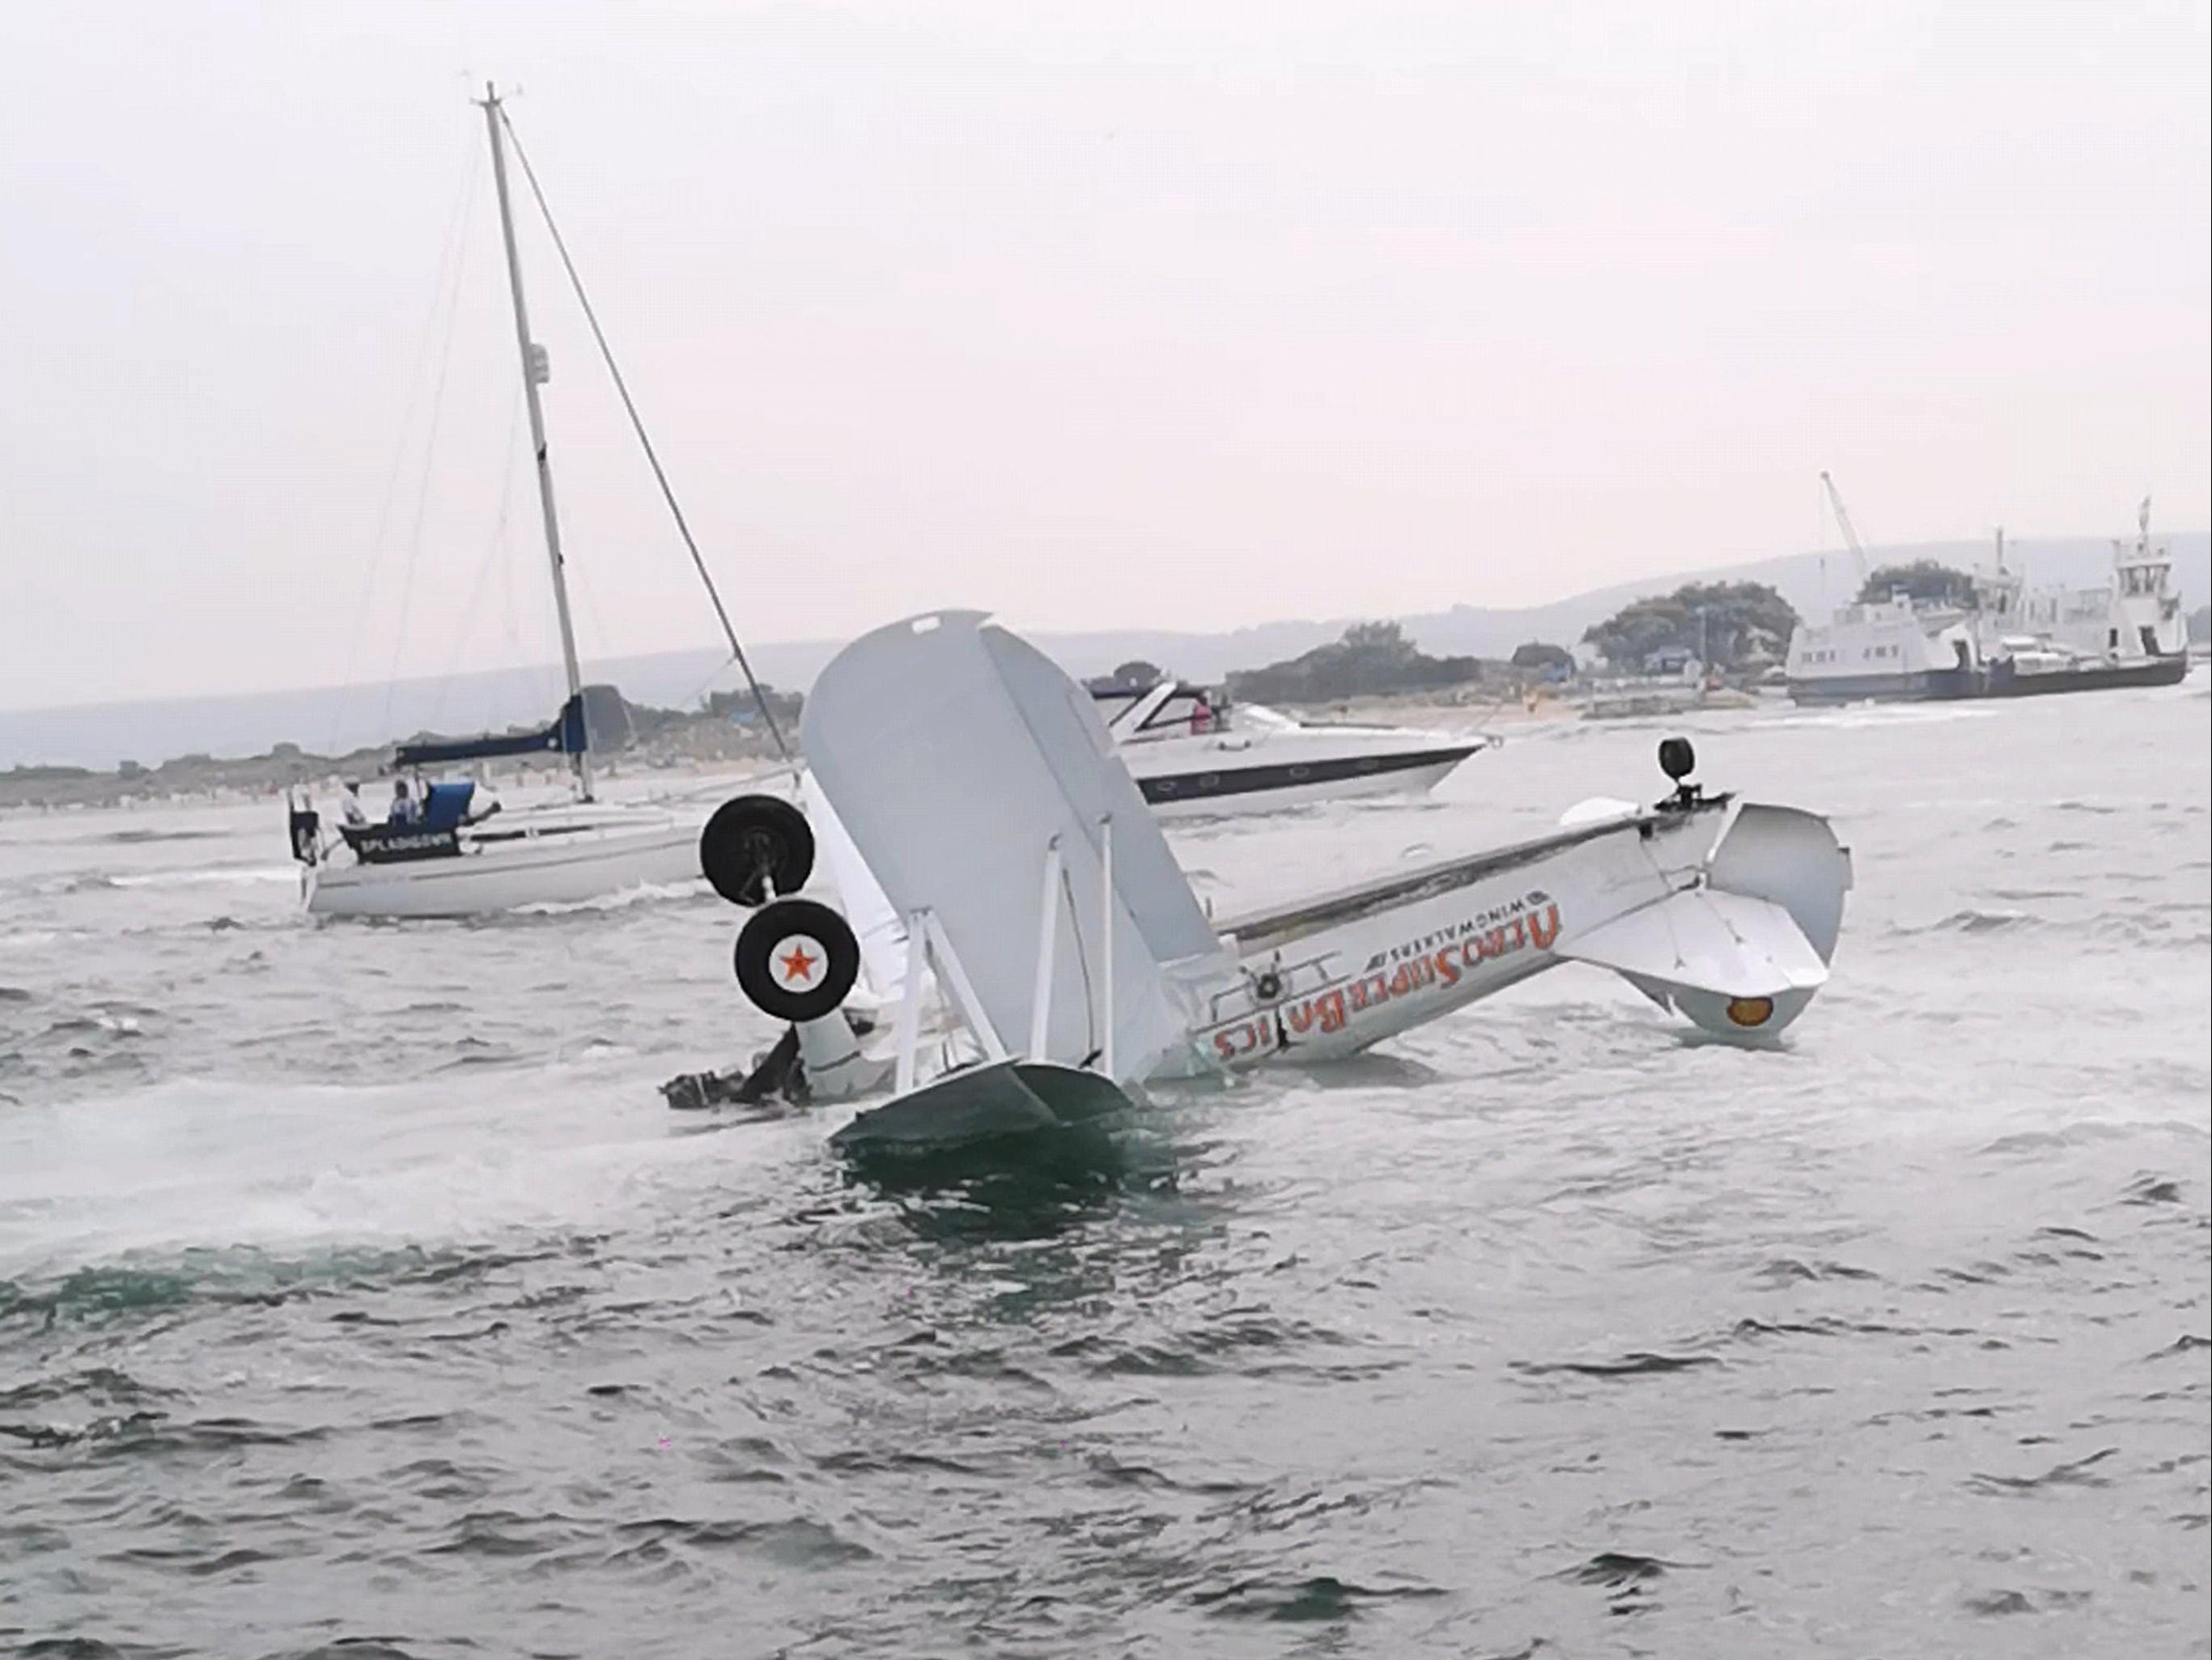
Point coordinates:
pixel 488 878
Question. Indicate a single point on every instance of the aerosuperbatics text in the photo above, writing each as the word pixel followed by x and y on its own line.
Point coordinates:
pixel 1440 958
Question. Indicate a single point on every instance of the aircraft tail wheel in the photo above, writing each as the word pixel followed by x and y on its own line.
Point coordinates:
pixel 797 959
pixel 755 846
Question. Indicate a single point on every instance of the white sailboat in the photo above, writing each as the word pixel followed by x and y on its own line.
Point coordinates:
pixel 437 857
pixel 533 861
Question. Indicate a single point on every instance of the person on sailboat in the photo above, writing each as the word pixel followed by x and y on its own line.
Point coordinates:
pixel 403 808
pixel 349 804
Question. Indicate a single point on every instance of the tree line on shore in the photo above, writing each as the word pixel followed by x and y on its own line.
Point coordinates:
pixel 1740 630
pixel 1739 627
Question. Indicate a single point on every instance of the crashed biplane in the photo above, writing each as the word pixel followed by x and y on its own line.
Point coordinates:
pixel 1016 944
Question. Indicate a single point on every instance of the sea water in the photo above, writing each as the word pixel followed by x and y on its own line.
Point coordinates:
pixel 359 1296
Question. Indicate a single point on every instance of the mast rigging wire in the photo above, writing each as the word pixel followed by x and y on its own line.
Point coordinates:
pixel 423 492
pixel 493 554
pixel 456 226
pixel 637 425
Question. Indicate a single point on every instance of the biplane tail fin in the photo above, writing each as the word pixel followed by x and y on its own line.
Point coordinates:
pixel 1742 953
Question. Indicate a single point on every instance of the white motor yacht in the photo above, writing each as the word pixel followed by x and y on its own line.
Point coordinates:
pixel 1193 753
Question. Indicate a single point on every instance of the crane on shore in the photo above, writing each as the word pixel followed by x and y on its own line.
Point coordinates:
pixel 1844 522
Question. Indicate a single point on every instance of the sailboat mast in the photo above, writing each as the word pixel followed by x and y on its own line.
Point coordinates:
pixel 534 372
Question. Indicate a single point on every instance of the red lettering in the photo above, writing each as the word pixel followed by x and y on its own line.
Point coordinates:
pixel 1446 970
pixel 1253 1037
pixel 1323 1009
pixel 1545 928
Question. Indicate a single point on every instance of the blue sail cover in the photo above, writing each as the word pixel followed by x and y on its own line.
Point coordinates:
pixel 447 805
pixel 566 736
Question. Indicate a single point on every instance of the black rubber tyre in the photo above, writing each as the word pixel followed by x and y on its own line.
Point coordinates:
pixel 756 847
pixel 797 959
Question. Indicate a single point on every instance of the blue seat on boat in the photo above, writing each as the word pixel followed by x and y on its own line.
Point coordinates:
pixel 445 805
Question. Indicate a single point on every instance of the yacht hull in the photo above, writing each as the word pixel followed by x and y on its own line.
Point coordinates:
pixel 1185 788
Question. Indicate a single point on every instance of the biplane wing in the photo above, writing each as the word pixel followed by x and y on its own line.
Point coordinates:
pixel 978 785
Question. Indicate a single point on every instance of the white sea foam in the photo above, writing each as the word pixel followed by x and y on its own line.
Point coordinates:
pixel 216 877
pixel 199 1163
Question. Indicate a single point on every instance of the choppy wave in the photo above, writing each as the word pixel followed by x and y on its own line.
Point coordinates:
pixel 1974 920
pixel 179 833
pixel 213 876
pixel 647 893
pixel 1882 717
pixel 30 939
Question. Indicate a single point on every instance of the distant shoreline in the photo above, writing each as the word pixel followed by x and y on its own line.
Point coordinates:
pixel 345 720
pixel 679 742
pixel 685 745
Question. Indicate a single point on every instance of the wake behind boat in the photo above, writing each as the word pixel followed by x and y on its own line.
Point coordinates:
pixel 1193 753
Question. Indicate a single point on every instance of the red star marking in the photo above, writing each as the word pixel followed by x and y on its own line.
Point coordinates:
pixel 796 963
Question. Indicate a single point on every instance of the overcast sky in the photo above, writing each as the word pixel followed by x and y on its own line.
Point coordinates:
pixel 1187 314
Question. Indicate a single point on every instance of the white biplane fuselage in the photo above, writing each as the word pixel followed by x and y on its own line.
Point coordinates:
pixel 1022 911
pixel 1338 973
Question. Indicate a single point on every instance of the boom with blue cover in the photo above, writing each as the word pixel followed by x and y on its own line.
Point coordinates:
pixel 566 736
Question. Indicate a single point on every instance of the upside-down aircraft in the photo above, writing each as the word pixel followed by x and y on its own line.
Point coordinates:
pixel 1016 911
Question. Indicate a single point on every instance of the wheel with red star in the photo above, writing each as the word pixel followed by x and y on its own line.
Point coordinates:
pixel 797 959
pixel 756 847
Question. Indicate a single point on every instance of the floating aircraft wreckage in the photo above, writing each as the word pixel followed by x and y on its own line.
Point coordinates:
pixel 1011 906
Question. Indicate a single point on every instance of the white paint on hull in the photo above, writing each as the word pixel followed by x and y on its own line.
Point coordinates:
pixel 503 876
pixel 1412 781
